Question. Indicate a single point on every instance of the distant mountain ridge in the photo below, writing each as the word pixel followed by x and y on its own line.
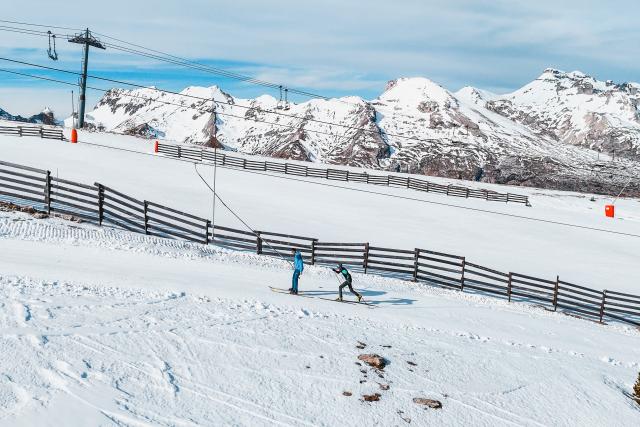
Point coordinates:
pixel 46 117
pixel 549 133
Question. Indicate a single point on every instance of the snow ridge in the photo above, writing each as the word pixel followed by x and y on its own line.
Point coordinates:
pixel 547 134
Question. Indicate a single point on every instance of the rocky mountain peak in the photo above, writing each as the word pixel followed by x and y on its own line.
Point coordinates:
pixel 417 93
pixel 415 125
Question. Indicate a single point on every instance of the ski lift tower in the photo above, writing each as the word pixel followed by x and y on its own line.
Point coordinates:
pixel 85 38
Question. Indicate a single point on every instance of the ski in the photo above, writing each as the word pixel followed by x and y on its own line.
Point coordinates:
pixel 302 294
pixel 348 301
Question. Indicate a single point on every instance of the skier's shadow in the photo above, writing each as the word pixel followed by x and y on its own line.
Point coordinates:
pixel 393 301
pixel 368 294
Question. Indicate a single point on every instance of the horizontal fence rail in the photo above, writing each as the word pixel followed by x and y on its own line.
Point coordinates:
pixel 72 198
pixel 37 131
pixel 530 288
pixel 20 184
pixel 99 204
pixel 200 154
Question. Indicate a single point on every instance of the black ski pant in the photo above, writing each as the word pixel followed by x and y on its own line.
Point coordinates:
pixel 344 284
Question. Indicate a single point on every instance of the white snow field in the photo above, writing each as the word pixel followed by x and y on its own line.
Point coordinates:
pixel 273 203
pixel 105 327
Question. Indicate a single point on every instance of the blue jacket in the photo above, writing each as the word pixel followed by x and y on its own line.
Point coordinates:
pixel 298 264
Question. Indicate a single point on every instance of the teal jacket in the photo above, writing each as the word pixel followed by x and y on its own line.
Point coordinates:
pixel 344 272
pixel 298 263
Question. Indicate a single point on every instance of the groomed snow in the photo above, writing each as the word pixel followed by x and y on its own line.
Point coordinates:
pixel 104 327
pixel 590 258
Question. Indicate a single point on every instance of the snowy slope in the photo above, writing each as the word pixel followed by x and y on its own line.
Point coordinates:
pixel 546 134
pixel 160 332
pixel 338 213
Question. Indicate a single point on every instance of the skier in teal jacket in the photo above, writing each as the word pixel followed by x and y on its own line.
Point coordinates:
pixel 298 268
pixel 347 282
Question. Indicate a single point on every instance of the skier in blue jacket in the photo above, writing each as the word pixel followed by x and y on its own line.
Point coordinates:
pixel 298 267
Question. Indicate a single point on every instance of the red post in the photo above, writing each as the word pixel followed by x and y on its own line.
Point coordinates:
pixel 74 136
pixel 609 210
pixel 155 147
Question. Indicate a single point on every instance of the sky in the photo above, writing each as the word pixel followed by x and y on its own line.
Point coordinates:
pixel 333 47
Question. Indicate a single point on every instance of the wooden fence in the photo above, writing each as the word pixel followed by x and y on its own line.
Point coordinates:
pixel 99 204
pixel 39 131
pixel 199 154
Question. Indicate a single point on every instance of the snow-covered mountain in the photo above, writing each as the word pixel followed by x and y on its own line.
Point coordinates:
pixel 577 109
pixel 46 117
pixel 545 134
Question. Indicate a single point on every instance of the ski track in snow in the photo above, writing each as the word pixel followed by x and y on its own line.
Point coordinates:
pixel 131 357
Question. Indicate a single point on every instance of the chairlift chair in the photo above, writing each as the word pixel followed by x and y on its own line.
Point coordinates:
pixel 286 99
pixel 279 105
pixel 52 52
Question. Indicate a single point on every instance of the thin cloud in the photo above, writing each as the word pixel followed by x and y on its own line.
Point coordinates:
pixel 349 48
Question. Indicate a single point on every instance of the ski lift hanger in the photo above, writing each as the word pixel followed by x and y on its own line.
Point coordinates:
pixel 52 51
pixel 283 104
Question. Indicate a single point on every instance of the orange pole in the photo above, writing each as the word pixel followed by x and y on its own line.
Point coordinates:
pixel 74 136
pixel 155 148
pixel 609 210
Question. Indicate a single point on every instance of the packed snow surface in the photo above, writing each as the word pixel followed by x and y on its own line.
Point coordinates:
pixel 105 327
pixel 350 212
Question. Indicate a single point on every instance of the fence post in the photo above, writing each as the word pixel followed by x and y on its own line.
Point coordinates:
pixel 604 297
pixel 366 257
pixel 146 217
pixel 555 294
pixel 388 178
pixel 467 195
pixel 448 187
pixel 179 152
pixel 244 163
pixel 427 186
pixel 258 243
pixel 367 177
pixel 507 198
pixel 47 192
pixel 464 263
pixel 41 132
pixel 327 173
pixel 416 255
pixel 100 203
pixel 206 231
pixel 313 251
pixel 347 176
pixel 286 170
pixel 306 171
pixel 509 287
pixel 408 180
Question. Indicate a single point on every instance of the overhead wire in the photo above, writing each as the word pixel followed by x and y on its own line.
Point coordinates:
pixel 337 136
pixel 247 226
pixel 163 56
pixel 40 25
pixel 267 111
pixel 395 196
pixel 202 67
pixel 232 105
pixel 177 60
